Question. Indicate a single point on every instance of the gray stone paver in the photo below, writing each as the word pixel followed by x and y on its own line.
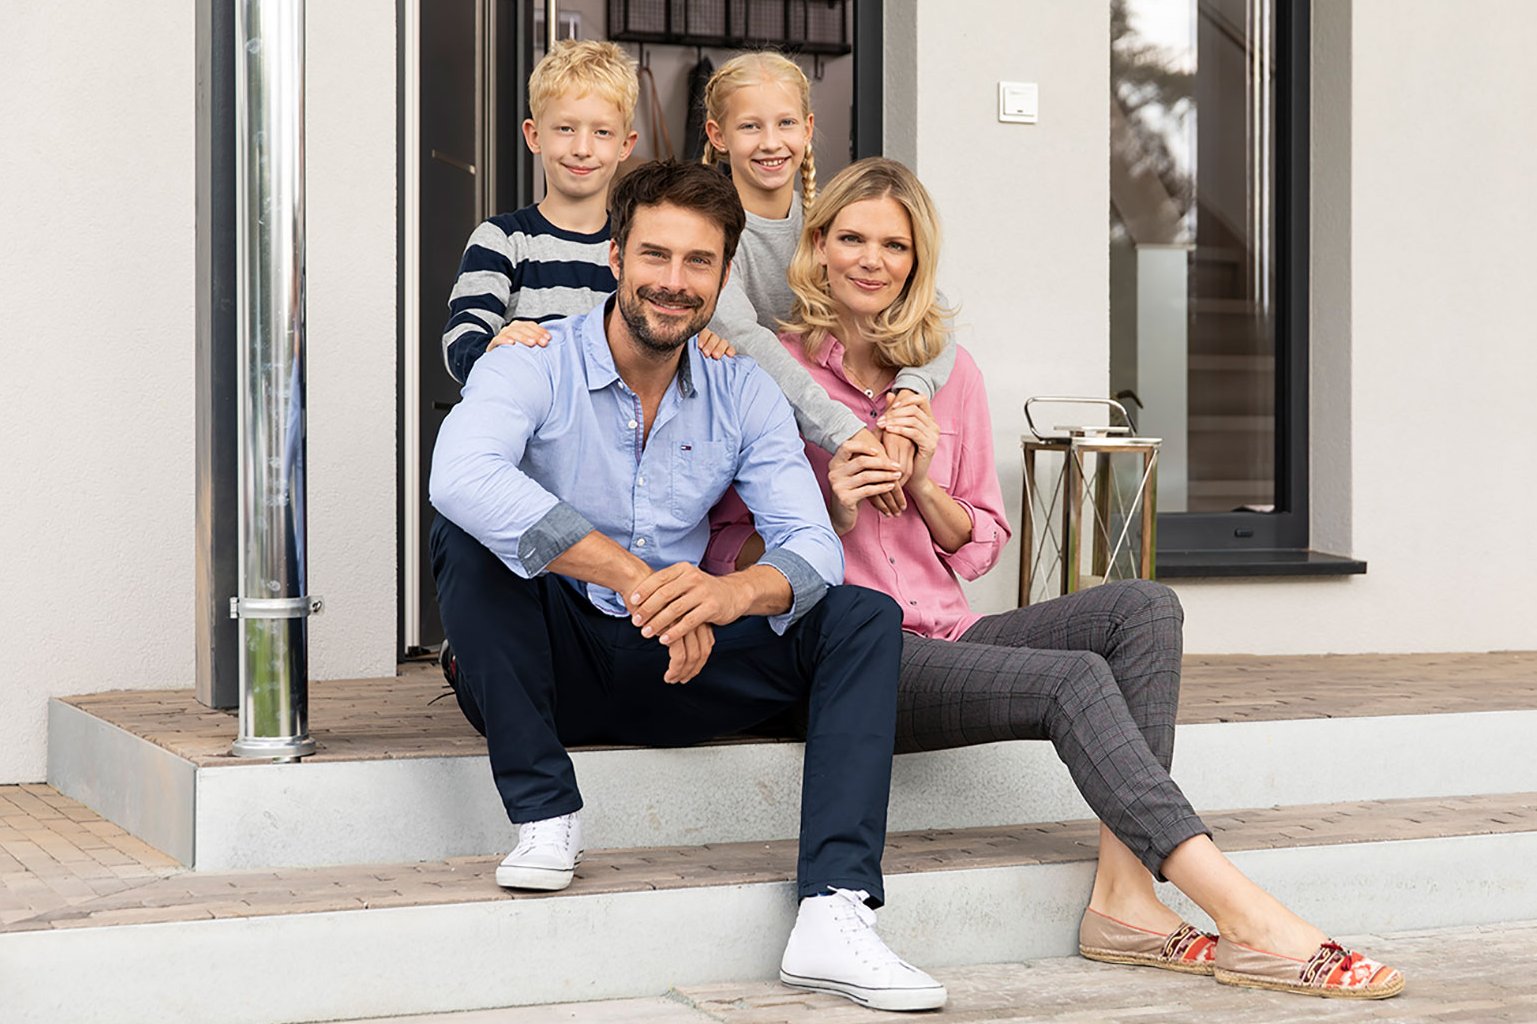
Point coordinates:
pixel 1485 974
pixel 56 888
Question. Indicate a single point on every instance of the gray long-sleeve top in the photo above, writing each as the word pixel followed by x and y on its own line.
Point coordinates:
pixel 758 295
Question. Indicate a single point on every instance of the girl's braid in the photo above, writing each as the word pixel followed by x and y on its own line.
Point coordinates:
pixel 808 178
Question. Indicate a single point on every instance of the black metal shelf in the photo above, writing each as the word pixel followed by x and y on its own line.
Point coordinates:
pixel 819 27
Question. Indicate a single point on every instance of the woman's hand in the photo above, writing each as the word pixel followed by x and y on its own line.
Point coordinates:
pixel 713 345
pixel 855 473
pixel 909 416
pixel 521 332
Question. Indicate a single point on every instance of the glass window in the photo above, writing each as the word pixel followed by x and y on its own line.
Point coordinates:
pixel 1201 313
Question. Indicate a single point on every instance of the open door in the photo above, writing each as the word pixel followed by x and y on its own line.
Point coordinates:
pixel 461 145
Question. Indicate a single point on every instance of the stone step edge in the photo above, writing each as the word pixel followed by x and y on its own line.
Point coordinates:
pixel 330 813
pixel 191 895
pixel 606 946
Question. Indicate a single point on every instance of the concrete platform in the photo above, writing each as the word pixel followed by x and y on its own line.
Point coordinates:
pixel 399 778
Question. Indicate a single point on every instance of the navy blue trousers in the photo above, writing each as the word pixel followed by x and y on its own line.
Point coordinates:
pixel 541 669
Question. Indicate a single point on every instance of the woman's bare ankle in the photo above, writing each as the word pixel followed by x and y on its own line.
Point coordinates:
pixel 1134 906
pixel 1273 929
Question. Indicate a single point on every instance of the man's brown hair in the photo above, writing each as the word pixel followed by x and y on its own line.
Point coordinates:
pixel 688 186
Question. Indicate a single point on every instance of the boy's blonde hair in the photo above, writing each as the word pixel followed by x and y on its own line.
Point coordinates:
pixel 909 332
pixel 750 69
pixel 581 66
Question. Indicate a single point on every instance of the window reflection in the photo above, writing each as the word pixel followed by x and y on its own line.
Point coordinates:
pixel 1192 250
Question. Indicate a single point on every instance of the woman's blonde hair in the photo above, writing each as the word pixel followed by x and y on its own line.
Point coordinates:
pixel 909 332
pixel 750 69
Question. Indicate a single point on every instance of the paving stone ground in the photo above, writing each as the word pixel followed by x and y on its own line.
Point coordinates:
pixel 61 866
pixel 1481 975
pixel 398 717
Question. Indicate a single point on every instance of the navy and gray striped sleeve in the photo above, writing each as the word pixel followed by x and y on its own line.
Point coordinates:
pixel 482 296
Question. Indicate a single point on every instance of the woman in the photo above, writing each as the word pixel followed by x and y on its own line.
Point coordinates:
pixel 1096 672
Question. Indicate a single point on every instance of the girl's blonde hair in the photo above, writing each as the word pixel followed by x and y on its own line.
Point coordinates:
pixel 909 332
pixel 750 69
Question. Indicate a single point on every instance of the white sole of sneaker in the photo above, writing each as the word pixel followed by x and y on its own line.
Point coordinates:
pixel 541 879
pixel 896 999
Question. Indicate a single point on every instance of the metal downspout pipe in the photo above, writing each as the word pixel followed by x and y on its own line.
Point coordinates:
pixel 273 604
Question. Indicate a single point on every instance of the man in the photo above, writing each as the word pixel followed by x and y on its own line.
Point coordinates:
pixel 573 484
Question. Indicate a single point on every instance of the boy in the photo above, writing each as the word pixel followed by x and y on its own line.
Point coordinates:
pixel 550 260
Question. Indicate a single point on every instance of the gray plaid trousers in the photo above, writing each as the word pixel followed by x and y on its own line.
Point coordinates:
pixel 1096 672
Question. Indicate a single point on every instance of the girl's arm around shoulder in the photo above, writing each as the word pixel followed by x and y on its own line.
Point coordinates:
pixel 825 422
pixel 935 374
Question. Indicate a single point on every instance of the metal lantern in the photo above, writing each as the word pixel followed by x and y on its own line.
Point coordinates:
pixel 1096 480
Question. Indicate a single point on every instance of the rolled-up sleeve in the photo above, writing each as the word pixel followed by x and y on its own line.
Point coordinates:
pixel 475 480
pixel 777 485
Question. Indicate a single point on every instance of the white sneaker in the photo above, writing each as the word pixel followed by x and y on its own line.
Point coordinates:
pixel 834 948
pixel 547 854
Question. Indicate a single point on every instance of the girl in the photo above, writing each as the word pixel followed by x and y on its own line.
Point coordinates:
pixel 1095 672
pixel 760 124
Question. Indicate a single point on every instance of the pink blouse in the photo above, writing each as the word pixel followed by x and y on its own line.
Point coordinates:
pixel 897 556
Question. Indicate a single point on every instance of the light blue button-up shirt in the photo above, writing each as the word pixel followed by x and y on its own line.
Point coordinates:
pixel 547 445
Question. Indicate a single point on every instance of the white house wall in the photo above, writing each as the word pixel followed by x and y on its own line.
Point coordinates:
pixel 1024 208
pixel 97 296
pixel 1427 380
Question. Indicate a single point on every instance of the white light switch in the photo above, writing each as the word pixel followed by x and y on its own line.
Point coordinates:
pixel 1019 102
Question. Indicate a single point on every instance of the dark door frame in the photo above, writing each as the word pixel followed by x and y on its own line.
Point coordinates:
pixel 1288 526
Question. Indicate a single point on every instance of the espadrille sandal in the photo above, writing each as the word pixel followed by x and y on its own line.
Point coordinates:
pixel 1112 941
pixel 1333 971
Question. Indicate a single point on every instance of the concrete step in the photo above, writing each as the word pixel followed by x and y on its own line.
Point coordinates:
pixel 221 814
pixel 435 937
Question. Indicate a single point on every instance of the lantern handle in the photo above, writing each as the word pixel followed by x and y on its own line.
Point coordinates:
pixel 1078 431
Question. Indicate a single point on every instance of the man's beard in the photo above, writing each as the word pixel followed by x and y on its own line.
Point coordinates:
pixel 661 341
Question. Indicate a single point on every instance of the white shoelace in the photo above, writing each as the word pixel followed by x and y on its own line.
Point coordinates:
pixel 856 921
pixel 554 832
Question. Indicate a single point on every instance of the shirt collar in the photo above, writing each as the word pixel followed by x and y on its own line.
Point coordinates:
pixel 829 353
pixel 599 359
pixel 595 352
pixel 686 368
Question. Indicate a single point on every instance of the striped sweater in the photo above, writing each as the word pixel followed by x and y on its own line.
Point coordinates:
pixel 519 266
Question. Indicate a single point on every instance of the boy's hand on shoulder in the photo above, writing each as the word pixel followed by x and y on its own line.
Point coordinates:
pixel 713 345
pixel 521 332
